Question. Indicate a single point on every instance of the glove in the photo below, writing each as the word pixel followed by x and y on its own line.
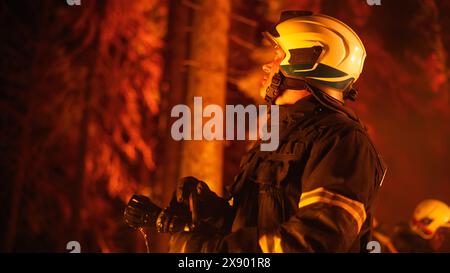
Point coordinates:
pixel 175 217
pixel 141 212
pixel 243 240
pixel 193 198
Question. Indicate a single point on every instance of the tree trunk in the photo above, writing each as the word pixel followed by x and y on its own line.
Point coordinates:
pixel 173 92
pixel 80 177
pixel 207 79
pixel 18 184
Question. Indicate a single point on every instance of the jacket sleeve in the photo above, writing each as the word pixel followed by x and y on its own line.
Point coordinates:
pixel 338 183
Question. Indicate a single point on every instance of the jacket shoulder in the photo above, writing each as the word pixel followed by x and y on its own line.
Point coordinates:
pixel 337 127
pixel 339 124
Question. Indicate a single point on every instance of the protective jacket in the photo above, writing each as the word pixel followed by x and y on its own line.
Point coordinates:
pixel 313 194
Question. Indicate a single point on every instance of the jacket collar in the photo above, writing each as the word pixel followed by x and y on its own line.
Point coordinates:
pixel 315 102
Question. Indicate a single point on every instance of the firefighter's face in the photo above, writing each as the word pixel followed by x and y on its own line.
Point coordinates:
pixel 270 69
pixel 288 96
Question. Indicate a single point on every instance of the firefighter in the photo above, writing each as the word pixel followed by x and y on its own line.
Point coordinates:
pixel 315 192
pixel 427 231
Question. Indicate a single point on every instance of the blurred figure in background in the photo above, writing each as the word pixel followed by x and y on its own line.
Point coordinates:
pixel 428 230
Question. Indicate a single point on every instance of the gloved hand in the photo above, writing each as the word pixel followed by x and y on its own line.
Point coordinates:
pixel 175 217
pixel 141 212
pixel 194 198
pixel 243 240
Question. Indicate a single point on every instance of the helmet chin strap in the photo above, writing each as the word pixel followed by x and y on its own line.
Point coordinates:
pixel 280 83
pixel 275 88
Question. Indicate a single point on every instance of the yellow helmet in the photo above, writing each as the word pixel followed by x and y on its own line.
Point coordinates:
pixel 320 49
pixel 429 216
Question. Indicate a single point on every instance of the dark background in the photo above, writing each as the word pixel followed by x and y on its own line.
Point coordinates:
pixel 85 94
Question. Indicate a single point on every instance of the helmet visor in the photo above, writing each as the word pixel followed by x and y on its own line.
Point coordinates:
pixel 270 39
